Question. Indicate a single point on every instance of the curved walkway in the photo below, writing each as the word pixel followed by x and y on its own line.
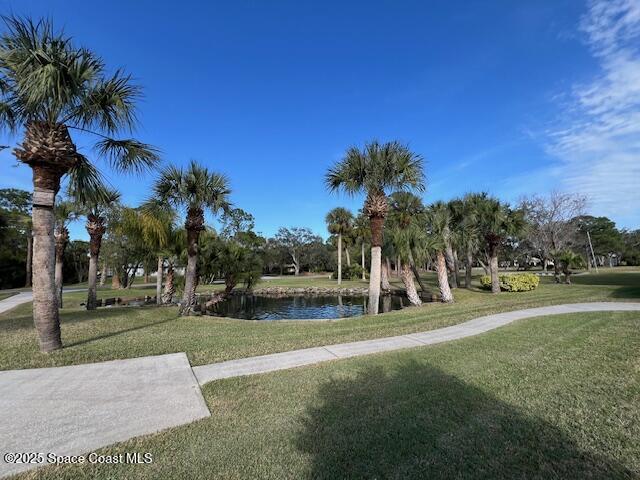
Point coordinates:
pixel 77 409
pixel 308 356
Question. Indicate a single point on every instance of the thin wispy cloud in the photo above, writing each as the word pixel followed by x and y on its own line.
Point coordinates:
pixel 598 142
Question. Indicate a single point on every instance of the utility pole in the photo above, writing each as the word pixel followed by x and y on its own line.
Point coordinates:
pixel 595 263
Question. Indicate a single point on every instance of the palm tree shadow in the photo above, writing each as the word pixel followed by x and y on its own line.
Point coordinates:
pixel 118 332
pixel 423 423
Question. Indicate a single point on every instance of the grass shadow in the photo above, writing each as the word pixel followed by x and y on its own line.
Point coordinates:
pixel 420 422
pixel 118 332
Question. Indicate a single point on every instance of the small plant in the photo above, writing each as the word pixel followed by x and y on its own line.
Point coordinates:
pixel 569 260
pixel 521 282
pixel 352 272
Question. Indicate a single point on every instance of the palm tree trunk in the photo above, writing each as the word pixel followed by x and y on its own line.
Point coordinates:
pixel 451 265
pixel 103 273
pixel 384 276
pixel 45 300
pixel 96 229
pixel 169 285
pixel 159 280
pixel 194 225
pixel 61 238
pixel 416 274
pixel 115 279
pixel 377 224
pixel 443 279
pixel 30 258
pixel 493 267
pixel 397 265
pixel 339 258
pixel 364 276
pixel 92 281
pixel 468 269
pixel 407 278
pixel 346 253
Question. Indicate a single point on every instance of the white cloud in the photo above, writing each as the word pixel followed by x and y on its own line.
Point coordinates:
pixel 598 142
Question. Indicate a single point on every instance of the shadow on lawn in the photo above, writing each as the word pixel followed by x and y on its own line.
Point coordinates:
pixel 423 423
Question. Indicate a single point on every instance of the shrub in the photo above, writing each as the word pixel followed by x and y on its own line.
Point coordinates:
pixel 519 282
pixel 354 272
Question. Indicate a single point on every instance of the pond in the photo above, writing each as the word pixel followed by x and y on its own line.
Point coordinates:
pixel 252 307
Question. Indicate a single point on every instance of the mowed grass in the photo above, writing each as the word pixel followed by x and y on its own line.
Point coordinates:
pixel 112 333
pixel 545 398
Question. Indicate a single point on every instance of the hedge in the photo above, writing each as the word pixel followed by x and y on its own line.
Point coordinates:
pixel 519 282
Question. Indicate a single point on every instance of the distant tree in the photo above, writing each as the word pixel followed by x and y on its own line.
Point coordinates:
pixel 16 240
pixel 340 223
pixel 606 239
pixel 65 212
pixel 295 241
pixel 550 218
pixel 569 260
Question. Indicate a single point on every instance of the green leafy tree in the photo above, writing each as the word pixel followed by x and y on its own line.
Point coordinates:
pixel 375 170
pixel 438 227
pixel 16 240
pixel 49 86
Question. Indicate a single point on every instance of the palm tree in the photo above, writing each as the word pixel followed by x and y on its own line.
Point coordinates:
pixel 569 260
pixel 407 233
pixel 50 86
pixel 362 233
pixel 466 226
pixel 438 219
pixel 339 222
pixel 194 189
pixel 375 170
pixel 97 208
pixel 65 212
pixel 156 226
pixel 497 222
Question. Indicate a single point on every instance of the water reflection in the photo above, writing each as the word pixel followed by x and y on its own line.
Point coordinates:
pixel 253 307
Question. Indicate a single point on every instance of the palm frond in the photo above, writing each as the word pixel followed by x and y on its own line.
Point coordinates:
pixel 86 185
pixel 128 155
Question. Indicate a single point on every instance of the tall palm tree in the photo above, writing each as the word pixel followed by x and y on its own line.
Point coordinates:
pixel 65 212
pixel 193 189
pixel 497 222
pixel 407 233
pixel 438 219
pixel 362 233
pixel 48 86
pixel 374 170
pixel 97 208
pixel 339 222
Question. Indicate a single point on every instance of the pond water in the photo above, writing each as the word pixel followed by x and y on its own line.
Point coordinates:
pixel 252 307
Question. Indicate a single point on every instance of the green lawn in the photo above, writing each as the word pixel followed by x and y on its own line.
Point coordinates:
pixel 129 332
pixel 553 397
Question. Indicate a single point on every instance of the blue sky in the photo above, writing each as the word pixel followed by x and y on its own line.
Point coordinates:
pixel 507 97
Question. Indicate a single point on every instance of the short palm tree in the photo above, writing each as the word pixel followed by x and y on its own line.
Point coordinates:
pixel 374 170
pixel 362 233
pixel 193 189
pixel 65 212
pixel 156 226
pixel 568 261
pixel 96 208
pixel 466 225
pixel 407 233
pixel 48 86
pixel 339 222
pixel 438 220
pixel 497 222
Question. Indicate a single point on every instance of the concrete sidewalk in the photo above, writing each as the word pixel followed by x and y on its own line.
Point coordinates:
pixel 25 297
pixel 308 356
pixel 78 409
